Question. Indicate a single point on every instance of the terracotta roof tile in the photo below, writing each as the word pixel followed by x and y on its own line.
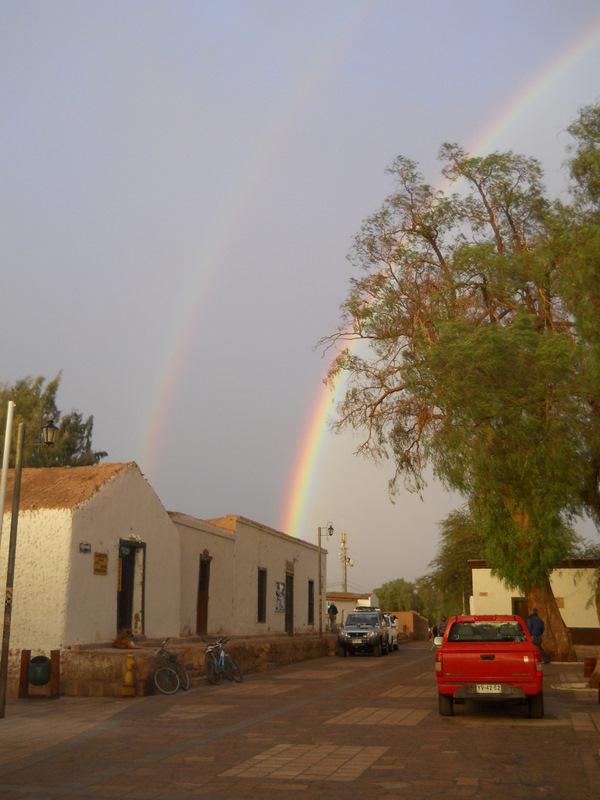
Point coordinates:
pixel 60 487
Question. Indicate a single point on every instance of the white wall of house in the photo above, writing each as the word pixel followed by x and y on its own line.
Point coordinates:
pixel 125 508
pixel 196 538
pixel 41 582
pixel 573 588
pixel 258 546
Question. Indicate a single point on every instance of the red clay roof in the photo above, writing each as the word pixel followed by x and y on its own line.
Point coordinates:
pixel 59 487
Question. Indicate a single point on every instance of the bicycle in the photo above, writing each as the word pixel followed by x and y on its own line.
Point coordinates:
pixel 169 674
pixel 218 663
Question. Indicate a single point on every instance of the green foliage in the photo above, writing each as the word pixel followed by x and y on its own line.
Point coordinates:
pixel 398 595
pixel 480 311
pixel 585 165
pixel 36 405
pixel 460 541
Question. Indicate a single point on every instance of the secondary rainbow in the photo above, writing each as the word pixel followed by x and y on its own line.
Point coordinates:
pixel 311 444
pixel 173 361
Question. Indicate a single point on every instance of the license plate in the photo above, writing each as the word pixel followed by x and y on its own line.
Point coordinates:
pixel 357 641
pixel 488 688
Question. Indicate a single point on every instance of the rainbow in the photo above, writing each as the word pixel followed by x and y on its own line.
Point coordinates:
pixel 173 361
pixel 311 444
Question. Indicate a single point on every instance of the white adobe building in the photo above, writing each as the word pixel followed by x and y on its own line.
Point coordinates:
pixel 97 552
pixel 242 577
pixel 573 584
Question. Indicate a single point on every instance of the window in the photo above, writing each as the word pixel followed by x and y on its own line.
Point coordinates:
pixel 262 595
pixel 311 602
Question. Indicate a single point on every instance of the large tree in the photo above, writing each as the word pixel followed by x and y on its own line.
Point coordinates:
pixel 470 360
pixel 35 400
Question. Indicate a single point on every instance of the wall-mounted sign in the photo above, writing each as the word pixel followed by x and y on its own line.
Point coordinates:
pixel 100 563
pixel 85 547
pixel 280 597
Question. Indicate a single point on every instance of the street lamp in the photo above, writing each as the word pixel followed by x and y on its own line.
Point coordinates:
pixel 329 530
pixel 49 433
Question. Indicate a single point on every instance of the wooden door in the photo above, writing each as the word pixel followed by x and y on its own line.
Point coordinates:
pixel 289 604
pixel 203 582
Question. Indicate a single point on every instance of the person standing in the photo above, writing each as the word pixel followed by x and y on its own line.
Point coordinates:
pixel 332 612
pixel 442 625
pixel 536 628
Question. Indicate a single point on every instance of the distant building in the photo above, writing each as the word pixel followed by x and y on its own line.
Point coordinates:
pixel 573 584
pixel 348 601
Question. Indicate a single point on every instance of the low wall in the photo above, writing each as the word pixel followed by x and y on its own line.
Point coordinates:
pixel 99 672
pixel 412 624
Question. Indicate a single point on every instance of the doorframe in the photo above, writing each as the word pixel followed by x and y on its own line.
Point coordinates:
pixel 289 604
pixel 134 545
pixel 205 558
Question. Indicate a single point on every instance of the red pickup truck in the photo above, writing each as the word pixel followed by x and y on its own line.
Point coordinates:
pixel 488 658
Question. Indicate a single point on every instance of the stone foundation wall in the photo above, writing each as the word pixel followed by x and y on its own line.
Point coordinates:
pixel 99 672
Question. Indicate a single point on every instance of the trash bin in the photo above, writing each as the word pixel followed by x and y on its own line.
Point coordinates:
pixel 39 671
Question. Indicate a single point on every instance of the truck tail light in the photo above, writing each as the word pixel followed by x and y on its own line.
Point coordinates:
pixel 438 662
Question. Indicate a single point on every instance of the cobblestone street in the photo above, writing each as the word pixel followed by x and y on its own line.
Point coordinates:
pixel 332 728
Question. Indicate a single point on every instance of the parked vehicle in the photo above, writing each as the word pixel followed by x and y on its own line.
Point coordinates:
pixel 488 658
pixel 363 631
pixel 392 626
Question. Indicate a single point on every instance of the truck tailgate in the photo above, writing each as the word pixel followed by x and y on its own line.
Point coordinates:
pixel 497 662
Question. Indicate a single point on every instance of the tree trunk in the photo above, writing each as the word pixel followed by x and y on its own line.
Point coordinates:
pixel 594 681
pixel 557 637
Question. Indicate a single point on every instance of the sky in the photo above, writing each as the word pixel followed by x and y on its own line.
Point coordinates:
pixel 181 184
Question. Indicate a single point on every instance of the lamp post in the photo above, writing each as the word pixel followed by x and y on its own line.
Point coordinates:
pixel 329 530
pixel 49 431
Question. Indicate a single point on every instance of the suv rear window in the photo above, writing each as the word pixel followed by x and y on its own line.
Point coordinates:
pixel 362 619
pixel 486 631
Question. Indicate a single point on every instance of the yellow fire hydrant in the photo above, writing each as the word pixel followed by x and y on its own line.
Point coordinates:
pixel 128 688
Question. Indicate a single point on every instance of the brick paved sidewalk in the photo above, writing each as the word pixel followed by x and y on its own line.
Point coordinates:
pixel 330 728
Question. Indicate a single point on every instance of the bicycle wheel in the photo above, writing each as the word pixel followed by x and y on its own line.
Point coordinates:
pixel 211 669
pixel 184 677
pixel 231 669
pixel 166 680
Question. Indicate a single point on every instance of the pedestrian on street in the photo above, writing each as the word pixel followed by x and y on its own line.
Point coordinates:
pixel 332 613
pixel 536 627
pixel 442 625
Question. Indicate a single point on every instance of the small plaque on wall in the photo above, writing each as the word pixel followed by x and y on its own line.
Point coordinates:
pixel 100 563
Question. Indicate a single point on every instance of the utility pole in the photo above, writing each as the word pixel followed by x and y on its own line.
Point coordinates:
pixel 345 559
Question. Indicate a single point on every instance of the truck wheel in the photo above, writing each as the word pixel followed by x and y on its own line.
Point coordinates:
pixel 446 705
pixel 536 705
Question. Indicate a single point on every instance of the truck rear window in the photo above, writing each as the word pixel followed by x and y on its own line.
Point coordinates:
pixel 489 631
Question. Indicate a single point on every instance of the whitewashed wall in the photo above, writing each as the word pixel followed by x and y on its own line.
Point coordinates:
pixel 195 537
pixel 125 507
pixel 574 586
pixel 259 546
pixel 41 578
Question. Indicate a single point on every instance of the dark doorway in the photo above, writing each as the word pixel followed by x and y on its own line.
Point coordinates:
pixel 519 606
pixel 128 583
pixel 203 582
pixel 289 604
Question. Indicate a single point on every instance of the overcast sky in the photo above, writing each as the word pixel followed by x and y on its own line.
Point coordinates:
pixel 180 185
